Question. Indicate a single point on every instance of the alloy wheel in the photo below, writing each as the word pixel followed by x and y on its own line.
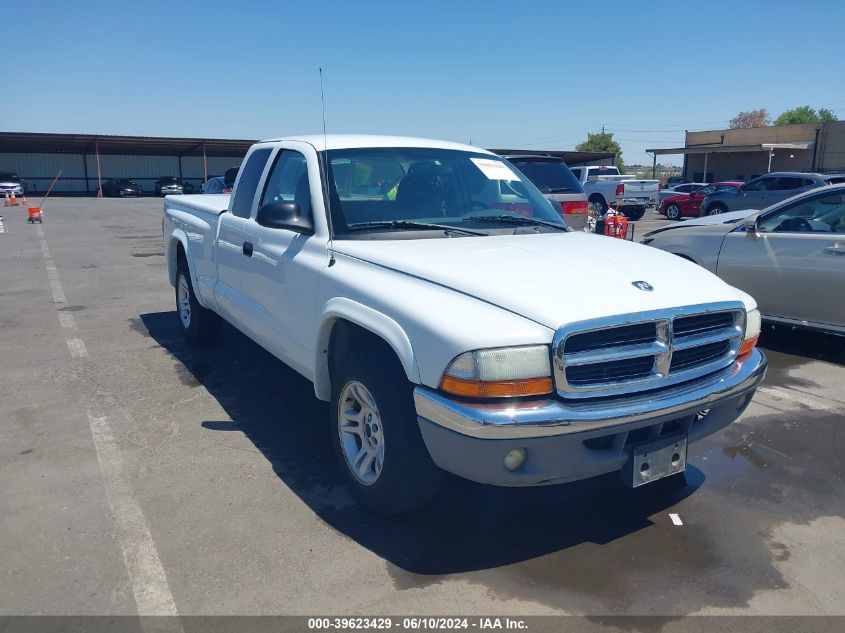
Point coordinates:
pixel 361 434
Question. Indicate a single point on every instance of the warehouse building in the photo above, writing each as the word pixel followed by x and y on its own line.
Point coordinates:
pixel 82 161
pixel 744 153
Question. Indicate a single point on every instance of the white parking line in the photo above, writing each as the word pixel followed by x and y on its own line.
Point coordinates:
pixel 77 348
pixel 143 565
pixel 67 321
pixel 140 556
pixel 676 520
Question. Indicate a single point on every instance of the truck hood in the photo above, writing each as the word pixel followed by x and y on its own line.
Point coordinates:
pixel 551 279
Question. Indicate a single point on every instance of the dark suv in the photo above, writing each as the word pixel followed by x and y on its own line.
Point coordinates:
pixel 557 183
pixel 766 190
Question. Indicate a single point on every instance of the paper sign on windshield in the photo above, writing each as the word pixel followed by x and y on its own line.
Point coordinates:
pixel 494 169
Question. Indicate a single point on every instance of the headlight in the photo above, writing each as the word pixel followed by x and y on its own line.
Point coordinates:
pixel 500 373
pixel 752 332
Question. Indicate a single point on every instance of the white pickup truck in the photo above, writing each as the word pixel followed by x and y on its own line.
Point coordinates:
pixel 606 187
pixel 431 293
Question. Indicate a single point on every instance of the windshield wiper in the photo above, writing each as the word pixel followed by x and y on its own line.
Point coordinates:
pixel 516 219
pixel 410 224
pixel 557 189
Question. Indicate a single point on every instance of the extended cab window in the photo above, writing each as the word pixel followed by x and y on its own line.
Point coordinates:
pixel 288 181
pixel 248 179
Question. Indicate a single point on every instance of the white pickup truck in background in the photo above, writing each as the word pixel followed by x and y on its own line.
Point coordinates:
pixel 438 301
pixel 606 187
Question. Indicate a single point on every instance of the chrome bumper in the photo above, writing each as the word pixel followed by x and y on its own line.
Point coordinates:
pixel 554 417
pixel 637 202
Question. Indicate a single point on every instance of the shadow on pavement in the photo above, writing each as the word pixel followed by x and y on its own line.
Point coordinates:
pixel 468 527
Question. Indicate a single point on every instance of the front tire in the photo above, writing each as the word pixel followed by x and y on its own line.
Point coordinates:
pixel 716 209
pixel 673 212
pixel 199 325
pixel 376 437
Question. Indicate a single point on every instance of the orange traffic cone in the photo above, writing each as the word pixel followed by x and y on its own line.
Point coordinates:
pixel 14 200
pixel 8 200
pixel 34 214
pixel 23 200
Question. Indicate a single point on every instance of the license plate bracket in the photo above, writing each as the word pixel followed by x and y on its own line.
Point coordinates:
pixel 654 460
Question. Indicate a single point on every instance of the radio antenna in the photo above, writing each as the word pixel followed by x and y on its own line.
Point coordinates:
pixel 327 190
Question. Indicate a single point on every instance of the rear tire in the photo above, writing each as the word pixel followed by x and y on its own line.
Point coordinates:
pixel 599 204
pixel 715 209
pixel 635 214
pixel 673 212
pixel 199 325
pixel 377 441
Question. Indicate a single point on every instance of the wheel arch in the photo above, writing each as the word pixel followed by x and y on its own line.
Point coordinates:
pixel 345 325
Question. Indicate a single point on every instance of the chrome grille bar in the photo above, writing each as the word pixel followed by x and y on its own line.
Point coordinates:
pixel 701 326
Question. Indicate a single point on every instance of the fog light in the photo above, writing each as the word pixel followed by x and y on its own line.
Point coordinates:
pixel 515 458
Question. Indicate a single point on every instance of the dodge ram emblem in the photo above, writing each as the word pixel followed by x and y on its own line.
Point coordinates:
pixel 642 285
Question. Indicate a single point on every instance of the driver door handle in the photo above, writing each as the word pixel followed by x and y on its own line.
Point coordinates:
pixel 836 249
pixel 247 249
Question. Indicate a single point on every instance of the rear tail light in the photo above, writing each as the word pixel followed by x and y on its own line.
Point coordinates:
pixel 620 189
pixel 578 207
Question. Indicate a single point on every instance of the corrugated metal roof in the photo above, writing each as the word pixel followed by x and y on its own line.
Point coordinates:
pixel 29 142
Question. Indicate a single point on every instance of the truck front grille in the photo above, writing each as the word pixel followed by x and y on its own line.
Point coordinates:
pixel 610 371
pixel 643 351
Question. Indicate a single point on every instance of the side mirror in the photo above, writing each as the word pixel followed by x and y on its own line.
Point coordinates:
pixel 750 224
pixel 284 215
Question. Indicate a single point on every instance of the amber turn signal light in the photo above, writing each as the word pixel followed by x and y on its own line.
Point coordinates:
pixel 747 346
pixel 496 389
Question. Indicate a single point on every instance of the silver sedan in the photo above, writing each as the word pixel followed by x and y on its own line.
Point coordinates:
pixel 790 256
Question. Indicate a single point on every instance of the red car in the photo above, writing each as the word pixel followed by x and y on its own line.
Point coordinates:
pixel 688 205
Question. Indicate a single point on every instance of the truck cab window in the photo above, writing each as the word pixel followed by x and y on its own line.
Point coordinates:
pixel 288 181
pixel 248 182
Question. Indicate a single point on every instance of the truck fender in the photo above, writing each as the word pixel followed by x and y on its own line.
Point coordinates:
pixel 379 324
pixel 178 236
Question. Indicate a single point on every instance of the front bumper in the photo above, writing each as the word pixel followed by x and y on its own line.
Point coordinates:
pixel 568 441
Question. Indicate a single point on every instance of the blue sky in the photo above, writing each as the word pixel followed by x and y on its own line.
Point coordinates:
pixel 535 74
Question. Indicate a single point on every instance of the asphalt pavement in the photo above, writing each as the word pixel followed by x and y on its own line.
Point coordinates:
pixel 142 475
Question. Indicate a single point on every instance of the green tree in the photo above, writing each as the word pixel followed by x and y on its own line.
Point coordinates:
pixel 805 114
pixel 826 116
pixel 603 142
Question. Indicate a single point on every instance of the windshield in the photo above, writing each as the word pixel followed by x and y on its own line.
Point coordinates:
pixel 548 176
pixel 428 185
pixel 7 176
